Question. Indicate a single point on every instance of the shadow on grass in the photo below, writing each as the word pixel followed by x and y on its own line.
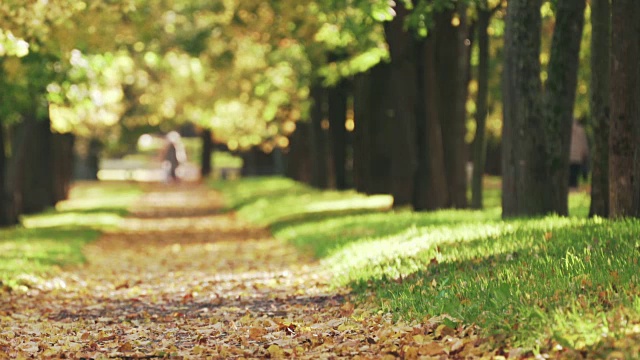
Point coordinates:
pixel 309 218
pixel 531 282
pixel 39 251
pixel 328 232
pixel 99 210
pixel 266 195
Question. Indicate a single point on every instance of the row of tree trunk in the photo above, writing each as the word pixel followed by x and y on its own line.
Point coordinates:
pixel 410 114
pixel 537 118
pixel 409 122
pixel 37 170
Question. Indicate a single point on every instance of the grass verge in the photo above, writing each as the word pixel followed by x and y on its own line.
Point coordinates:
pixel 542 283
pixel 45 242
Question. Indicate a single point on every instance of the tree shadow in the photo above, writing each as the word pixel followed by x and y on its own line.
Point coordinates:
pixel 328 231
pixel 485 280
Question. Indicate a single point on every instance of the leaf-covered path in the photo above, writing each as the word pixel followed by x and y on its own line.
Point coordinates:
pixel 180 278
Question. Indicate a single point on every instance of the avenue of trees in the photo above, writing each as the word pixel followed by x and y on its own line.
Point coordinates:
pixel 382 96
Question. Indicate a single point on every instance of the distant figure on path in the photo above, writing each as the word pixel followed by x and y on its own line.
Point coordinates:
pixel 173 154
pixel 579 154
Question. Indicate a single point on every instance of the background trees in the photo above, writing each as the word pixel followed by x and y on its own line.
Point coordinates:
pixel 624 139
pixel 384 97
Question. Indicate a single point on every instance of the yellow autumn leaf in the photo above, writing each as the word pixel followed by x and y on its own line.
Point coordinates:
pixel 432 349
pixel 275 351
pixel 256 333
pixel 411 352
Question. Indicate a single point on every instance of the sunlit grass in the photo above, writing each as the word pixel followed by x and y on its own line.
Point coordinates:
pixel 570 280
pixel 47 241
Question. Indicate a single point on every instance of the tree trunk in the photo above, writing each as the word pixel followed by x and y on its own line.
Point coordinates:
pixel 7 213
pixel 624 140
pixel 599 104
pixel 319 178
pixel 249 163
pixel 404 86
pixel 362 139
pixel 373 115
pixel 451 65
pixel 207 148
pixel 432 189
pixel 482 102
pixel 560 92
pixel 37 192
pixel 93 158
pixel 523 149
pixel 337 101
pixel 299 155
pixel 459 190
pixel 62 149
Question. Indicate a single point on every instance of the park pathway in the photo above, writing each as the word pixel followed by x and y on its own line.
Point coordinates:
pixel 179 278
pixel 183 279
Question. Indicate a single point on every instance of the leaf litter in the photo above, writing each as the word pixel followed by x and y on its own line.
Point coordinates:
pixel 182 279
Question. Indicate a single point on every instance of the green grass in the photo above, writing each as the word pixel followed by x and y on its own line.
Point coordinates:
pixel 528 282
pixel 45 242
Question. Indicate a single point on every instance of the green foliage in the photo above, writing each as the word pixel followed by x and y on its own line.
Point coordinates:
pixel 568 279
pixel 44 243
pixel 89 101
pixel 241 68
pixel 12 46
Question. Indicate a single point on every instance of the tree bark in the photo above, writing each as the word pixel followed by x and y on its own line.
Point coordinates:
pixel 599 105
pixel 482 102
pixel 62 149
pixel 432 189
pixel 624 140
pixel 373 115
pixel 299 155
pixel 337 101
pixel 523 148
pixel 7 213
pixel 362 139
pixel 37 193
pixel 451 64
pixel 319 178
pixel 404 86
pixel 207 148
pixel 560 92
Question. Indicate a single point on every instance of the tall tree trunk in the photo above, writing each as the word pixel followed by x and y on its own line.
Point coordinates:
pixel 523 148
pixel 451 64
pixel 560 92
pixel 624 140
pixel 299 155
pixel 404 86
pixel 599 104
pixel 373 113
pixel 337 101
pixel 62 150
pixel 459 191
pixel 362 137
pixel 432 189
pixel 4 198
pixel 249 164
pixel 37 193
pixel 319 155
pixel 482 102
pixel 207 148
pixel 7 213
pixel 93 158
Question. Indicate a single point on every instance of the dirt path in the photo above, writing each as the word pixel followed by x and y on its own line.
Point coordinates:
pixel 182 279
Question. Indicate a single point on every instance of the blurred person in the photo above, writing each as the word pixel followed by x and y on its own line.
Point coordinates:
pixel 173 155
